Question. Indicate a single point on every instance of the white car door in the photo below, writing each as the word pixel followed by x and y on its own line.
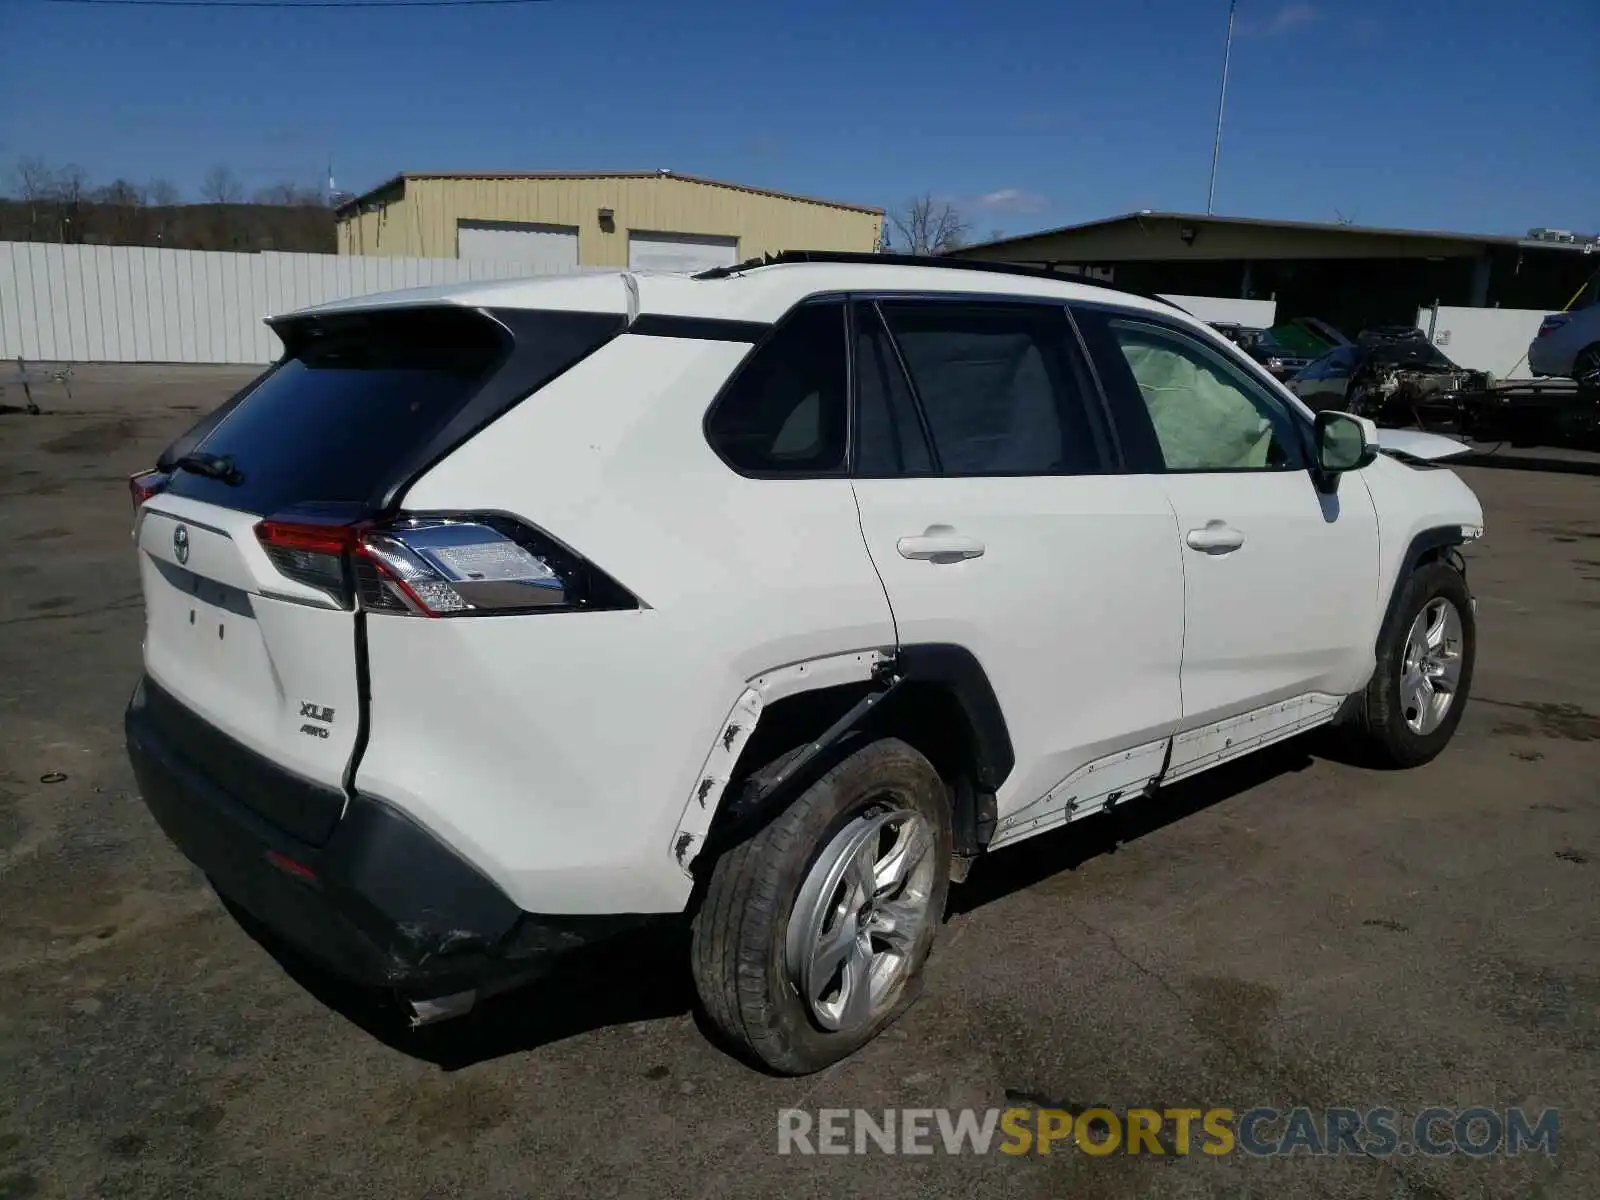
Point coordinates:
pixel 1280 577
pixel 993 510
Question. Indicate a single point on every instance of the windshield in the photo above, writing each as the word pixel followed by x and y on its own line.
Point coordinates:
pixel 1297 339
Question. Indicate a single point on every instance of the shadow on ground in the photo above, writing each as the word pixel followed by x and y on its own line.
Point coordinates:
pixel 639 976
pixel 644 976
pixel 1070 846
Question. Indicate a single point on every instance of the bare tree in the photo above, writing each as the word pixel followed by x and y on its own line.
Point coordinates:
pixel 277 193
pixel 289 195
pixel 161 193
pixel 221 186
pixel 118 191
pixel 924 225
pixel 34 179
pixel 71 185
pixel 68 191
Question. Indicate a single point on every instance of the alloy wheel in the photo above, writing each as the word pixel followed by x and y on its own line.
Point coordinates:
pixel 857 917
pixel 1430 670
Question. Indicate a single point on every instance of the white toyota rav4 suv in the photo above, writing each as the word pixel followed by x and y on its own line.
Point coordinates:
pixel 496 619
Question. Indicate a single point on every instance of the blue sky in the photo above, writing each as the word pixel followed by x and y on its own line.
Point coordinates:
pixel 1471 115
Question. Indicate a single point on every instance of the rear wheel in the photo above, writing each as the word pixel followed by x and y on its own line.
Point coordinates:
pixel 1586 367
pixel 1424 670
pixel 812 934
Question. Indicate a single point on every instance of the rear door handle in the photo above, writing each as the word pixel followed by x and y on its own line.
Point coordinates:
pixel 940 544
pixel 1217 537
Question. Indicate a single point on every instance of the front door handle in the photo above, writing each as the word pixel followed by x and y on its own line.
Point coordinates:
pixel 940 544
pixel 1216 537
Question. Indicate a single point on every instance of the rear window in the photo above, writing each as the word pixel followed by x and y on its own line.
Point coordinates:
pixel 358 395
pixel 784 411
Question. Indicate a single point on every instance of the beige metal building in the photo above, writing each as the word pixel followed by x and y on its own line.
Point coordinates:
pixel 644 220
pixel 1351 275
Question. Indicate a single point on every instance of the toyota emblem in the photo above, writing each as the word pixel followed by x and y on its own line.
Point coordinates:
pixel 180 543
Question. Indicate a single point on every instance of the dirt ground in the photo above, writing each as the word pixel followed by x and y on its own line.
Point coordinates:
pixel 1291 931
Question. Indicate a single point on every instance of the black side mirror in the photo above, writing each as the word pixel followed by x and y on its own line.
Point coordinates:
pixel 1344 442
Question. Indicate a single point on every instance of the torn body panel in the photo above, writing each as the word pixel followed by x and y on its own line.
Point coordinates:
pixel 1096 785
pixel 737 727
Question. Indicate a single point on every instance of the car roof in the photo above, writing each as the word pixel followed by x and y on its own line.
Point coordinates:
pixel 760 292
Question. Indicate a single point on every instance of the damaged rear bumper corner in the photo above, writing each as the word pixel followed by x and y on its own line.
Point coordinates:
pixel 382 903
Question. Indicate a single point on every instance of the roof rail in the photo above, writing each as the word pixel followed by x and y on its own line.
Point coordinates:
pixel 920 260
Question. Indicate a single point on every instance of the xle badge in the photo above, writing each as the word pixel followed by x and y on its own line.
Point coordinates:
pixel 316 712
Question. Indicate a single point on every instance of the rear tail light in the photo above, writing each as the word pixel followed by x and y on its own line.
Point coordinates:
pixel 439 566
pixel 1552 323
pixel 146 484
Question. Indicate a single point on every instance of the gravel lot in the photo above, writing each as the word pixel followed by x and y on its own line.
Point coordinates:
pixel 1292 931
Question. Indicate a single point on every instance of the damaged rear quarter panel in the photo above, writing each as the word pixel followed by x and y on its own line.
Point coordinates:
pixel 740 723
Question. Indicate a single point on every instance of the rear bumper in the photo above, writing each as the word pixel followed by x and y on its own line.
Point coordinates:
pixel 1544 360
pixel 382 902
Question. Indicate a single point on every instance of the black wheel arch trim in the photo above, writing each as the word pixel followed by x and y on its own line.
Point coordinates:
pixel 1438 537
pixel 958 671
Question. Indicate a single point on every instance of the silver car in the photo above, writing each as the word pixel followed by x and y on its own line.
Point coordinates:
pixel 1568 344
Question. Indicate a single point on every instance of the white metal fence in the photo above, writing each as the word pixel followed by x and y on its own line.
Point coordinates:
pixel 142 304
pixel 1485 339
pixel 1247 314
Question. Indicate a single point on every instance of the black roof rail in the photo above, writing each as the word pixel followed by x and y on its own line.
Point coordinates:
pixel 861 258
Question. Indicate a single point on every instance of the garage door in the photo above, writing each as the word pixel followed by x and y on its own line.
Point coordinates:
pixel 543 247
pixel 680 251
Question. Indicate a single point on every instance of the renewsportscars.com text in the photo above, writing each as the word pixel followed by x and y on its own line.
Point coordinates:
pixel 1260 1132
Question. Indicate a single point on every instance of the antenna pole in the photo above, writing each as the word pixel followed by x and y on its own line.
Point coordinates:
pixel 1222 99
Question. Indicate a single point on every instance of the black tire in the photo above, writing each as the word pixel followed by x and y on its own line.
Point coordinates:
pixel 1380 728
pixel 1586 366
pixel 738 953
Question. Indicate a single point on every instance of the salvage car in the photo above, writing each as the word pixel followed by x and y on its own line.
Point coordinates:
pixel 1568 345
pixel 501 618
pixel 1394 375
pixel 1290 346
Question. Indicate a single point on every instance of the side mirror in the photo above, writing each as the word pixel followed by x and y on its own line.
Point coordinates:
pixel 1344 442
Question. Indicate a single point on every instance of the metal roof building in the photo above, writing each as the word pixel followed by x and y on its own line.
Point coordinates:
pixel 1351 275
pixel 564 221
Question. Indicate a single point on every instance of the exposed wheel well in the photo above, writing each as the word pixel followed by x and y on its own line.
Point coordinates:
pixel 927 716
pixel 1449 554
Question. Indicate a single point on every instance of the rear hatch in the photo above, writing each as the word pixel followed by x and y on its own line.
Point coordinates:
pixel 253 630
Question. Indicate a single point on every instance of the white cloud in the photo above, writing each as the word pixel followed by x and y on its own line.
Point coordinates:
pixel 1286 19
pixel 1012 200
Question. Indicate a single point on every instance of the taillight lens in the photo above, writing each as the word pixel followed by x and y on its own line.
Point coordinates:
pixel 311 553
pixel 146 484
pixel 439 566
pixel 1552 323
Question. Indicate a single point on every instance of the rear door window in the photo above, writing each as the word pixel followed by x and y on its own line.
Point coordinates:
pixel 889 436
pixel 996 387
pixel 358 395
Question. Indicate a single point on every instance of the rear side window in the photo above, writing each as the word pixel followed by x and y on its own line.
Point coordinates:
pixel 996 388
pixel 784 411
pixel 359 395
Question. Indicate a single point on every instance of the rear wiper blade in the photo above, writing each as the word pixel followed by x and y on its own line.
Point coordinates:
pixel 213 466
